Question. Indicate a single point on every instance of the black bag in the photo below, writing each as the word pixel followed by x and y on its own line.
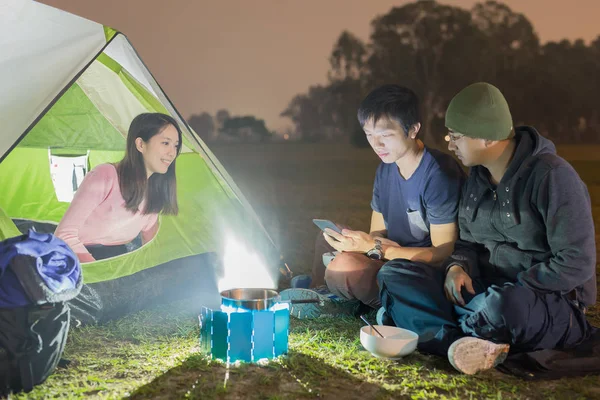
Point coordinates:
pixel 32 340
pixel 38 275
pixel 555 364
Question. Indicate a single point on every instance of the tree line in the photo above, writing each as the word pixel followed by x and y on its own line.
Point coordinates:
pixel 226 128
pixel 437 50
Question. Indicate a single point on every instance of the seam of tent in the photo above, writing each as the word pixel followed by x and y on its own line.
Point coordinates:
pixel 229 181
pixel 109 32
pixel 108 62
pixel 148 101
pixel 58 96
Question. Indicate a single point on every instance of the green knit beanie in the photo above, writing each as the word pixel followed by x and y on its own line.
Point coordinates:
pixel 480 111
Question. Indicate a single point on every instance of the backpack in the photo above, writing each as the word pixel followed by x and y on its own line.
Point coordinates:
pixel 32 341
pixel 38 275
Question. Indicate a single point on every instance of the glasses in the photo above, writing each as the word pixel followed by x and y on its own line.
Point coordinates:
pixel 453 137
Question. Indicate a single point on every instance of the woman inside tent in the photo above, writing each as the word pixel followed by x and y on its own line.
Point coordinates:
pixel 115 203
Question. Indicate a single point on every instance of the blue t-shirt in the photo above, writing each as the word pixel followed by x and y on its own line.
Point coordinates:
pixel 429 196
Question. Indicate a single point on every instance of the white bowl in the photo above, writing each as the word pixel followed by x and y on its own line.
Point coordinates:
pixel 396 343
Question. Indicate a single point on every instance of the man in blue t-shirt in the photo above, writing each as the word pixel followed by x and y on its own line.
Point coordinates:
pixel 415 200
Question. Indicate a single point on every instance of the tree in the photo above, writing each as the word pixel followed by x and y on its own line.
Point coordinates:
pixel 432 48
pixel 203 125
pixel 329 112
pixel 348 59
pixel 437 50
pixel 220 117
pixel 313 114
pixel 510 55
pixel 348 78
pixel 247 128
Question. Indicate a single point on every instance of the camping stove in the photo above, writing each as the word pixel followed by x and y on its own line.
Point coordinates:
pixel 252 324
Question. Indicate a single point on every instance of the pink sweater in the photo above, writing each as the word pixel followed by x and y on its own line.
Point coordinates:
pixel 97 215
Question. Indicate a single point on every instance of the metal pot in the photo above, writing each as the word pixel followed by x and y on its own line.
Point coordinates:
pixel 256 299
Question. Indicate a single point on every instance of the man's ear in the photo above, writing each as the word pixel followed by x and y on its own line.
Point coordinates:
pixel 414 130
pixel 139 144
pixel 489 143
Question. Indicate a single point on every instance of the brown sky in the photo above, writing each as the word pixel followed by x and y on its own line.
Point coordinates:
pixel 253 56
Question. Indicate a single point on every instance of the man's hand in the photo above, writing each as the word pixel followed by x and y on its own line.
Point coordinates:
pixel 349 240
pixel 455 280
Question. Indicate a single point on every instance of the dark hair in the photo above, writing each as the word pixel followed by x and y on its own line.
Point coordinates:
pixel 160 190
pixel 394 102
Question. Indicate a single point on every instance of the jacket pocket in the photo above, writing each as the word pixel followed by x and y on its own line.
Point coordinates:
pixel 509 261
pixel 418 229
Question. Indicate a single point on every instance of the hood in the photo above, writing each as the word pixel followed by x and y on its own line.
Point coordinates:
pixel 529 143
pixel 536 143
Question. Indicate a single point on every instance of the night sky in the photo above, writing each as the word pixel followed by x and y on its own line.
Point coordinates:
pixel 252 57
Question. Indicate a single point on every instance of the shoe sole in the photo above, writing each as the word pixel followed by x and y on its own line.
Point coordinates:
pixel 470 355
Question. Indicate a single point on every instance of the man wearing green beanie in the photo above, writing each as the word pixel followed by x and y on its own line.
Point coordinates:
pixel 523 271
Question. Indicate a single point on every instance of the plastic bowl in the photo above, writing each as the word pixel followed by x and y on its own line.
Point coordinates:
pixel 397 342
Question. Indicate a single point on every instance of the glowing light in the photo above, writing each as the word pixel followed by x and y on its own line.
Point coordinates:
pixel 273 308
pixel 243 268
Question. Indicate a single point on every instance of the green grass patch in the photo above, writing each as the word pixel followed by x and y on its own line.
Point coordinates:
pixel 155 354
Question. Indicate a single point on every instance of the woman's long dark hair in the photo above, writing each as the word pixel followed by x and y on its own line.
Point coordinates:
pixel 160 190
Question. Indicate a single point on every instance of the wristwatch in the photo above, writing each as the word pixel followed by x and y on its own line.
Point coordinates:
pixel 376 253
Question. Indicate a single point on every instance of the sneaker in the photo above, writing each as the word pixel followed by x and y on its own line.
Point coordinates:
pixel 470 355
pixel 323 290
pixel 328 257
pixel 301 282
pixel 383 318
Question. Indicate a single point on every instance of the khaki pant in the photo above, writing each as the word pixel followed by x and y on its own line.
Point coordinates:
pixel 349 276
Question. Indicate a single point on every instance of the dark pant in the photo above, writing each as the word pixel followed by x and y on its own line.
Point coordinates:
pixel 100 252
pixel 413 295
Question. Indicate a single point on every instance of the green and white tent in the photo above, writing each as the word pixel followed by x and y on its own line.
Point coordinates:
pixel 69 87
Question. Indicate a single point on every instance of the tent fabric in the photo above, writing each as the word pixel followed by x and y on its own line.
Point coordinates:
pixel 93 85
pixel 42 49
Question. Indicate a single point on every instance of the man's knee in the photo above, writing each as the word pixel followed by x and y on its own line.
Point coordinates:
pixel 404 270
pixel 348 262
pixel 352 276
pixel 507 306
pixel 507 299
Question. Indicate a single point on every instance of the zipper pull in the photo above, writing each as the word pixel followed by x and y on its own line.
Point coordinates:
pixel 495 197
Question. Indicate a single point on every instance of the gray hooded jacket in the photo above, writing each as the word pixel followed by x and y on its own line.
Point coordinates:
pixel 535 228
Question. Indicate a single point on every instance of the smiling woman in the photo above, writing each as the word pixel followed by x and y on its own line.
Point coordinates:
pixel 117 203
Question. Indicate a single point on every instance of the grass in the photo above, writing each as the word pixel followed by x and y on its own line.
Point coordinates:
pixel 155 353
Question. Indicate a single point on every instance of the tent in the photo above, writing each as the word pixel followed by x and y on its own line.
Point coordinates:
pixel 69 90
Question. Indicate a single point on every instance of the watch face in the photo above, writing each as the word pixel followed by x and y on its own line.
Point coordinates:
pixel 374 254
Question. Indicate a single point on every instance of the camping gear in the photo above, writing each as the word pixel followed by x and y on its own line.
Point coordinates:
pixel 70 88
pixel 38 274
pixel 237 334
pixel 32 342
pixel 257 299
pixel 395 343
pixel 251 324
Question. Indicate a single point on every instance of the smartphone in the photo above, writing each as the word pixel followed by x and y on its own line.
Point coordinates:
pixel 325 223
